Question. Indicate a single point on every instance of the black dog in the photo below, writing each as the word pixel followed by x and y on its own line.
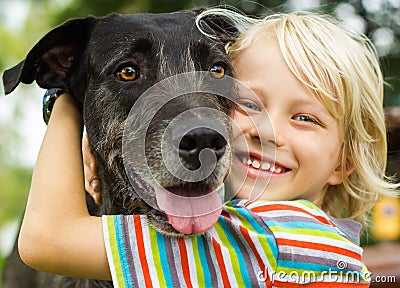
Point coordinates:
pixel 107 64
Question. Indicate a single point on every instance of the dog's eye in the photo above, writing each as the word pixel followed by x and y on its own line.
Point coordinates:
pixel 217 71
pixel 128 73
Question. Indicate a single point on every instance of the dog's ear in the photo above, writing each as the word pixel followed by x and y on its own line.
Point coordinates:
pixel 216 25
pixel 53 61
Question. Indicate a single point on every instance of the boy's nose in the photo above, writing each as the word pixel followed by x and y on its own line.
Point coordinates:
pixel 268 131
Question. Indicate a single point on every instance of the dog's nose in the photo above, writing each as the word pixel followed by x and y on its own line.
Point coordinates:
pixel 196 141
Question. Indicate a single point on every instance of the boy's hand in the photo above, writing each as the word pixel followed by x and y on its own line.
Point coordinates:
pixel 92 180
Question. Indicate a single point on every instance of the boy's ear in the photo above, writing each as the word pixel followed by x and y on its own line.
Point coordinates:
pixel 340 173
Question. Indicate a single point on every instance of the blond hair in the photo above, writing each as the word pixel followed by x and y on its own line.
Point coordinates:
pixel 343 70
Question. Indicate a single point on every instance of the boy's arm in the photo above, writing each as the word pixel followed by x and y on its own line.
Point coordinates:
pixel 57 234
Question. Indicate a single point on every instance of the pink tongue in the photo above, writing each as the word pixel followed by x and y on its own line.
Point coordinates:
pixel 190 214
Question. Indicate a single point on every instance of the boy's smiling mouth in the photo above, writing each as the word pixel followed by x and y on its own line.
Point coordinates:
pixel 262 165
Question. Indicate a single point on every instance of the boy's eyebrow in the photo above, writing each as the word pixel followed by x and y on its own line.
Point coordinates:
pixel 307 97
pixel 314 106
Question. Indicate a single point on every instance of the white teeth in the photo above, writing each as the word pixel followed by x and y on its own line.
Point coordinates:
pixel 256 164
pixel 263 165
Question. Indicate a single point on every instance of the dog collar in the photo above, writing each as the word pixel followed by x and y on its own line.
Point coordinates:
pixel 49 98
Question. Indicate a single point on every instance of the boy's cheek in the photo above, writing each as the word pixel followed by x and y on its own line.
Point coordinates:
pixel 239 124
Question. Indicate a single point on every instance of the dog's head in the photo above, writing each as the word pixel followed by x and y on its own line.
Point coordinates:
pixel 110 63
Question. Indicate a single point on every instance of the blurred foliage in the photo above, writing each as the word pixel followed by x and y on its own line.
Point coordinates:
pixel 103 7
pixel 379 17
pixel 16 180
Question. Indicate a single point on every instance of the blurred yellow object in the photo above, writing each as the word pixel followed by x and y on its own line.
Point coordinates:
pixel 386 220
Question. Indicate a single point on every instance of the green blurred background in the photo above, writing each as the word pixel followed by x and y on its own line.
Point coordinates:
pixel 24 22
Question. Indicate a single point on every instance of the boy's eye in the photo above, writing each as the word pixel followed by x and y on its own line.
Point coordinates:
pixel 305 118
pixel 249 105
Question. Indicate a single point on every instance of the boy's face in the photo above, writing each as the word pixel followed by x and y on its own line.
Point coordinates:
pixel 301 135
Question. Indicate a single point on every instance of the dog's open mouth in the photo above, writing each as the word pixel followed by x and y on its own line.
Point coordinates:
pixel 190 211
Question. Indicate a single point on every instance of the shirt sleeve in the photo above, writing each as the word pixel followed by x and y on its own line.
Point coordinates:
pixel 115 245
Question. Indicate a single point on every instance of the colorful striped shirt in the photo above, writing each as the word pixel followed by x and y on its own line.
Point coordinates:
pixel 253 244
